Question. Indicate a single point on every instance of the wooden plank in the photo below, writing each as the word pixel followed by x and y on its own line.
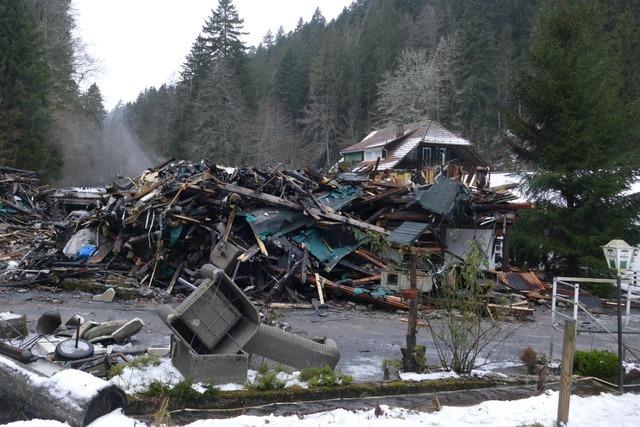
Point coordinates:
pixel 355 223
pixel 260 243
pixel 568 348
pixel 259 196
pixel 369 279
pixel 319 286
pixel 418 323
pixel 365 254
pixel 227 231
pixel 174 279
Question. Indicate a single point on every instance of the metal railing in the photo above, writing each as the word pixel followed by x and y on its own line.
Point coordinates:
pixel 571 295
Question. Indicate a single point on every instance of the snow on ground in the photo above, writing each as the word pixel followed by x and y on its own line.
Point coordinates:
pixel 134 380
pixel 412 376
pixel 138 380
pixel 69 384
pixel 116 419
pixel 605 409
pixel 10 315
pixel 630 366
pixel 36 423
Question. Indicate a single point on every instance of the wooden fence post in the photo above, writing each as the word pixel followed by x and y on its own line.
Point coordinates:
pixel 568 348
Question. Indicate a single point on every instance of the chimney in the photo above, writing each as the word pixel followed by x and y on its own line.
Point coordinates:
pixel 399 130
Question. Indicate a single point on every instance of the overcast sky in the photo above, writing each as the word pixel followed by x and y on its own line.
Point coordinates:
pixel 142 43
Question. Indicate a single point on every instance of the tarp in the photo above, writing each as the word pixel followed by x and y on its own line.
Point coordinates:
pixel 318 246
pixel 340 197
pixel 443 195
pixel 276 222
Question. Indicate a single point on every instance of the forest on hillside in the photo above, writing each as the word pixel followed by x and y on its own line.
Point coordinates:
pixel 299 97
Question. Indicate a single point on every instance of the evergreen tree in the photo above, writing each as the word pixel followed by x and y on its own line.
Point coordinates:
pixel 291 83
pixel 93 105
pixel 580 136
pixel 222 31
pixel 268 40
pixel 280 35
pixel 25 116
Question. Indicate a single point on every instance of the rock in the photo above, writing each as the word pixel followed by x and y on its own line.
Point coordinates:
pixel 106 296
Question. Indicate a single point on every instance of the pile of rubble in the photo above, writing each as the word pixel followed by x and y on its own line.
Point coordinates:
pixel 280 235
pixel 18 194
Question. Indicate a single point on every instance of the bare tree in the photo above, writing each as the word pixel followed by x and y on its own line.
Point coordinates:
pixel 273 137
pixel 413 91
pixel 462 333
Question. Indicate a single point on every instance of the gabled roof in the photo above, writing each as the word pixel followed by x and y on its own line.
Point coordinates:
pixel 429 132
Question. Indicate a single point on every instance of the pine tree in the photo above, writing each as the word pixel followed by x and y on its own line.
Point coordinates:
pixel 580 136
pixel 25 115
pixel 92 105
pixel 268 40
pixel 280 35
pixel 222 31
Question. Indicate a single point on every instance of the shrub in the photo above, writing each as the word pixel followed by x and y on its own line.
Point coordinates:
pixel 183 390
pixel 324 377
pixel 529 357
pixel 596 363
pixel 267 381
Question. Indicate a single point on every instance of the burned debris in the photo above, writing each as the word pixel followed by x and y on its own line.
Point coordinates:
pixel 281 236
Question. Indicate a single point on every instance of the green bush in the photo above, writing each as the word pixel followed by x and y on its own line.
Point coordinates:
pixel 182 390
pixel 596 363
pixel 267 381
pixel 324 377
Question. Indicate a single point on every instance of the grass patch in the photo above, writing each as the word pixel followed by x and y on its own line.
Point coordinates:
pixel 182 391
pixel 138 362
pixel 324 377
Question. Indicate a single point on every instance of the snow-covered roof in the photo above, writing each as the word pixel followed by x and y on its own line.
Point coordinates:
pixel 429 132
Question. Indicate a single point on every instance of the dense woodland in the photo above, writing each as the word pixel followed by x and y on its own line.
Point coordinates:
pixel 550 86
pixel 300 96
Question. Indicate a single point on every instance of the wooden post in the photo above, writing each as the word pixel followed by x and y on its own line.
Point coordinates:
pixel 568 348
pixel 409 362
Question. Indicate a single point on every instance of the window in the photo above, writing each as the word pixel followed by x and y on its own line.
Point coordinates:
pixel 372 154
pixel 426 156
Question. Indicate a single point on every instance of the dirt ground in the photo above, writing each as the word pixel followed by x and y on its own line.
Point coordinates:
pixel 364 336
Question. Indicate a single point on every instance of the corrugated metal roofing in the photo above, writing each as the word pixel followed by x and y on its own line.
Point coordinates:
pixel 520 281
pixel 407 233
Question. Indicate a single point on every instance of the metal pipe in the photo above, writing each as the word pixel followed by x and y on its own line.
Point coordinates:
pixel 553 315
pixel 576 300
pixel 620 356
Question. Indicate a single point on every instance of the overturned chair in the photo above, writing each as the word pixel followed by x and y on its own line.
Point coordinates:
pixel 216 332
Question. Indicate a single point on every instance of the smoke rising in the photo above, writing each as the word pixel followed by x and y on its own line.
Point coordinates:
pixel 101 155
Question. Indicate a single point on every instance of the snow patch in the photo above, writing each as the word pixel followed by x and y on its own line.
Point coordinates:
pixel 116 419
pixel 10 315
pixel 605 409
pixel 36 423
pixel 412 376
pixel 138 380
pixel 69 385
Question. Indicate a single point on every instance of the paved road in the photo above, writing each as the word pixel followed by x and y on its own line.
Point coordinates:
pixel 365 338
